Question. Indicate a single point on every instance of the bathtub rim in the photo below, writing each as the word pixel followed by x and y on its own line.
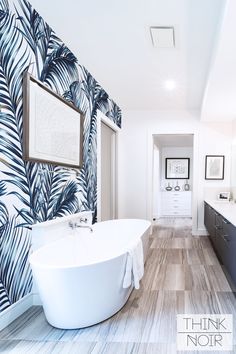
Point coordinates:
pixel 76 265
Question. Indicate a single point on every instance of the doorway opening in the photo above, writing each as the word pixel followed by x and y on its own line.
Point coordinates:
pixel 107 146
pixel 173 176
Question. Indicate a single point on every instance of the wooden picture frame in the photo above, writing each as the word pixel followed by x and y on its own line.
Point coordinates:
pixel 52 127
pixel 177 168
pixel 214 167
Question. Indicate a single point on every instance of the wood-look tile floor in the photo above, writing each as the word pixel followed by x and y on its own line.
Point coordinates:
pixel 182 275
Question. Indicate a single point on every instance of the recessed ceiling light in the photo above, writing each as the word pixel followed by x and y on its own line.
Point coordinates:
pixel 170 85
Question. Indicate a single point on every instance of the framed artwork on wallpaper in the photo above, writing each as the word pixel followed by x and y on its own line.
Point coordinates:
pixel 214 167
pixel 177 168
pixel 52 127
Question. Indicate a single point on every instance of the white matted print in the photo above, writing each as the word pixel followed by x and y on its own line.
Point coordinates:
pixel 52 126
pixel 214 167
pixel 177 168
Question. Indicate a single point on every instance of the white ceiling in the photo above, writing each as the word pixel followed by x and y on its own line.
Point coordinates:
pixel 173 140
pixel 112 40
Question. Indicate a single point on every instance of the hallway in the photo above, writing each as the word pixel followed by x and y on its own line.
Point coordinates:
pixel 182 275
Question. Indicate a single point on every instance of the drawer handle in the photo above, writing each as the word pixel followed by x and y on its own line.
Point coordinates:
pixel 218 227
pixel 226 221
pixel 226 238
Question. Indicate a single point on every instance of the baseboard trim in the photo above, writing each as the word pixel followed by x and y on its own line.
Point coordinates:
pixel 37 300
pixel 200 232
pixel 18 308
pixel 15 310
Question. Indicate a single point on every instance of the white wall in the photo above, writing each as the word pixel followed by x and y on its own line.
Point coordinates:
pixel 156 182
pixel 233 163
pixel 135 158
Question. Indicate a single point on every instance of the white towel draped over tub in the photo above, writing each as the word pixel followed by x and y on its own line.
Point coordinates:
pixel 134 269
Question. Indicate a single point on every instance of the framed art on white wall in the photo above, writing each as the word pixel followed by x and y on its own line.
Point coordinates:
pixel 52 127
pixel 214 167
pixel 177 168
pixel 225 196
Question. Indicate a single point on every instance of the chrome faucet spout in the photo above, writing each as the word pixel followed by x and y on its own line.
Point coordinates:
pixel 85 227
pixel 74 225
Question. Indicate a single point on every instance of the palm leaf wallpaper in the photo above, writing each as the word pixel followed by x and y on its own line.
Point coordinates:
pixel 32 192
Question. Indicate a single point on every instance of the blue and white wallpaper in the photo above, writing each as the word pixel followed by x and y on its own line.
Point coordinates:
pixel 32 192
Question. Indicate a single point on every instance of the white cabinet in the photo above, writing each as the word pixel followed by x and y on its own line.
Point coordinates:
pixel 176 203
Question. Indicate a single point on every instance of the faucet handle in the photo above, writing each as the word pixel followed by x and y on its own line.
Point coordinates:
pixel 83 220
pixel 72 225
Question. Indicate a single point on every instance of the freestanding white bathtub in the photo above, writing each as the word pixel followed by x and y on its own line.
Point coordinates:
pixel 80 276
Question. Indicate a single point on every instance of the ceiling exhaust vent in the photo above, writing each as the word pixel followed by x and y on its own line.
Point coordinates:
pixel 163 36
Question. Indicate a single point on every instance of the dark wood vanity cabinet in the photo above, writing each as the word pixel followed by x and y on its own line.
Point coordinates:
pixel 223 237
pixel 209 220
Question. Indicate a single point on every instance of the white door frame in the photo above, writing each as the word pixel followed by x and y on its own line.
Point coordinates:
pixel 101 118
pixel 149 205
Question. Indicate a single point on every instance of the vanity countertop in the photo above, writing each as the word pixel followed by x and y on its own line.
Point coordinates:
pixel 225 208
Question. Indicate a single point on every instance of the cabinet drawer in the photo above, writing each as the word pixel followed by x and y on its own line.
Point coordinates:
pixel 176 199
pixel 222 247
pixel 218 221
pixel 173 206
pixel 170 210
pixel 176 195
pixel 182 212
pixel 229 230
pixel 209 220
pixel 180 202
